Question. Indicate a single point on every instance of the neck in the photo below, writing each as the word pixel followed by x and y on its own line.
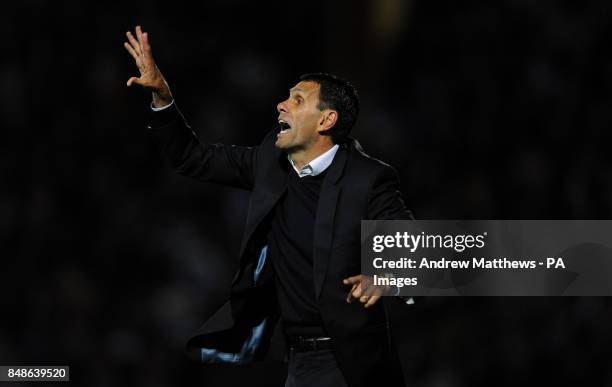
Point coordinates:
pixel 302 157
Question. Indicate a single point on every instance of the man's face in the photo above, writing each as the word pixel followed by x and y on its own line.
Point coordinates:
pixel 299 117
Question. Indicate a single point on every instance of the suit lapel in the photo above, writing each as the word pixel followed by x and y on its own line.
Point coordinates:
pixel 274 185
pixel 324 222
pixel 263 199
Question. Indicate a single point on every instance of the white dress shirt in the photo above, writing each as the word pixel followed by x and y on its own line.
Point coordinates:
pixel 161 108
pixel 318 165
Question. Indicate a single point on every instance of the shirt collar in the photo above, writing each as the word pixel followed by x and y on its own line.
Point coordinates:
pixel 318 165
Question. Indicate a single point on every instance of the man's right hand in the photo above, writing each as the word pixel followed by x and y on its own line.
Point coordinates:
pixel 150 76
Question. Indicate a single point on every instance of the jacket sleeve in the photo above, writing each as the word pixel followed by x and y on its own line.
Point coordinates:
pixel 229 165
pixel 385 201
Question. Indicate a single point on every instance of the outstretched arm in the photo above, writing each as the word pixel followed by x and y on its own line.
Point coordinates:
pixel 217 163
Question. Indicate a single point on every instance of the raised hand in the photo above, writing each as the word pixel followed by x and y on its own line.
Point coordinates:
pixel 150 76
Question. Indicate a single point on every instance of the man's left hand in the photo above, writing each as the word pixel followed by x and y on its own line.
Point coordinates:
pixel 364 290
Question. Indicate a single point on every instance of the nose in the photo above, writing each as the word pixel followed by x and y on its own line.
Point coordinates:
pixel 281 107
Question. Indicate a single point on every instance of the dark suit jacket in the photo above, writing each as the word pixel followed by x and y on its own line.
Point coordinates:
pixel 356 187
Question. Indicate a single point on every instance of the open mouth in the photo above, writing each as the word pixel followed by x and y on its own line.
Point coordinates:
pixel 284 126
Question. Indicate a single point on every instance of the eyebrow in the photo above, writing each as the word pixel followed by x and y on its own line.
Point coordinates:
pixel 296 89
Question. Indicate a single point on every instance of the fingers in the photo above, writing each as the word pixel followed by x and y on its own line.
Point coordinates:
pixel 352 280
pixel 356 289
pixel 363 290
pixel 370 296
pixel 139 36
pixel 349 296
pixel 138 46
pixel 132 52
pixel 371 291
pixel 146 47
pixel 371 301
pixel 147 55
pixel 358 292
pixel 134 43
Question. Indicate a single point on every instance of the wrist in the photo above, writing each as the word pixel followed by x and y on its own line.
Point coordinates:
pixel 160 100
pixel 162 95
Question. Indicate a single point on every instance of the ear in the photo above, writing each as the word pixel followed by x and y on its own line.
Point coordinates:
pixel 328 120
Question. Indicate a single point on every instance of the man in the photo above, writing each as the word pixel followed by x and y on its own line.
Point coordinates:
pixel 310 186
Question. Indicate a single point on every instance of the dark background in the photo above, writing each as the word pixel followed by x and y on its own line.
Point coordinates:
pixel 489 110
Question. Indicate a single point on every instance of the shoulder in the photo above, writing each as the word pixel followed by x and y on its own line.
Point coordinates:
pixel 365 164
pixel 268 154
pixel 270 138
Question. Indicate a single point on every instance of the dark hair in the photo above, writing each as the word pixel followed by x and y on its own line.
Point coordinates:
pixel 337 94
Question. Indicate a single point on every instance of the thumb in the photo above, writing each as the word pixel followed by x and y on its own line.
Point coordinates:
pixel 133 80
